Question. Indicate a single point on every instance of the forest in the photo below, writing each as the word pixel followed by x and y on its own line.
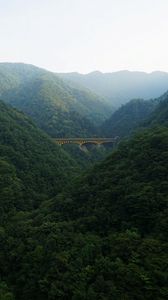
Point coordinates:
pixel 80 225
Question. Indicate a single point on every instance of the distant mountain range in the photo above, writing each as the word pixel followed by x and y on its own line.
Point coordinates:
pixel 81 105
pixel 120 87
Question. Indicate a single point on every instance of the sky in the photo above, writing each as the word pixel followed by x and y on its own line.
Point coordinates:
pixel 85 35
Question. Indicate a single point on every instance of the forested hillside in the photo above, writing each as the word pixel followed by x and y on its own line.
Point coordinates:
pixel 89 155
pixel 83 156
pixel 99 235
pixel 128 117
pixel 32 166
pixel 160 114
pixel 119 87
pixel 103 237
pixel 56 107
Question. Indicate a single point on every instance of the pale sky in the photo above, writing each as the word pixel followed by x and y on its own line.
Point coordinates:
pixel 85 35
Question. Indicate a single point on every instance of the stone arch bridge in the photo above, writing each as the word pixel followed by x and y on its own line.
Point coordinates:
pixel 86 141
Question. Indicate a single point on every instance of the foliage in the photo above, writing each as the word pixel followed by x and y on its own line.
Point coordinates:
pixel 104 237
pixel 160 114
pixel 87 155
pixel 5 293
pixel 32 167
pixel 100 235
pixel 57 108
pixel 128 118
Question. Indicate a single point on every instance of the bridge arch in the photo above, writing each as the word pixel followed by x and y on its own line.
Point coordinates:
pixel 86 141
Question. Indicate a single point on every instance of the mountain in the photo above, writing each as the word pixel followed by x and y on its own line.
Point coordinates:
pixel 103 237
pixel 128 117
pixel 131 117
pixel 102 234
pixel 160 114
pixel 32 167
pixel 119 87
pixel 114 220
pixel 56 107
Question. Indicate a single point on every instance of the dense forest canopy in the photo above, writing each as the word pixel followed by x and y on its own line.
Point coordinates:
pixel 128 117
pixel 72 235
pixel 104 237
pixel 160 114
pixel 30 159
pixel 84 150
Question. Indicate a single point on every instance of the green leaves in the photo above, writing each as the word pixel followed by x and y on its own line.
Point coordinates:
pixel 55 106
pixel 5 294
pixel 103 236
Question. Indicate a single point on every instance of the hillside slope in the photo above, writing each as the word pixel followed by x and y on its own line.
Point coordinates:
pixel 120 87
pixel 128 117
pixel 160 114
pixel 30 162
pixel 104 237
pixel 56 107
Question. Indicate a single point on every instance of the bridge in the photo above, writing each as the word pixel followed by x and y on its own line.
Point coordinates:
pixel 85 141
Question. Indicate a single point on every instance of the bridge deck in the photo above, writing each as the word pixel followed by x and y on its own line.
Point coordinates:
pixel 82 141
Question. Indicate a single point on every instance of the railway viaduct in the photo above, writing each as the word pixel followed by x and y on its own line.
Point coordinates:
pixel 85 141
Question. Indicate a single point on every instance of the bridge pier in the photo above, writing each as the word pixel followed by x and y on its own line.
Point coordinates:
pixel 83 148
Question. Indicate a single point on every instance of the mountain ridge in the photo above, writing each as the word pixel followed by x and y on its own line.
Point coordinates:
pixel 121 86
pixel 129 117
pixel 54 105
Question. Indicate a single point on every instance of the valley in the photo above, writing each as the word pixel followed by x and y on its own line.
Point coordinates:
pixel 83 150
pixel 83 191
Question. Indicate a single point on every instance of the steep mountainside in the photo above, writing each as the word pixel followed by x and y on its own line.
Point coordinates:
pixel 104 237
pixel 55 106
pixel 30 163
pixel 120 87
pixel 160 114
pixel 128 117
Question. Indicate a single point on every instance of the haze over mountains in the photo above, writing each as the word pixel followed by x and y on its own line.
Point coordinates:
pixel 120 87
pixel 67 107
pixel 128 117
pixel 84 156
pixel 56 107
pixel 84 150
